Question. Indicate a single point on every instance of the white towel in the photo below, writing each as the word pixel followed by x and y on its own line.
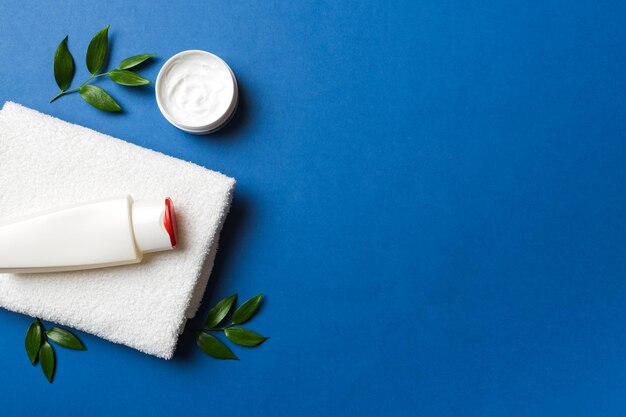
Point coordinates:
pixel 47 163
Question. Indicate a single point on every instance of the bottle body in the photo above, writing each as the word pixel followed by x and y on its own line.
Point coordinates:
pixel 92 235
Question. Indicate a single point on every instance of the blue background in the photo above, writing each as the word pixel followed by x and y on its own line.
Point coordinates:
pixel 430 193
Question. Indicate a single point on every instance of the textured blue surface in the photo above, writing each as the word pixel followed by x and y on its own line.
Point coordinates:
pixel 431 194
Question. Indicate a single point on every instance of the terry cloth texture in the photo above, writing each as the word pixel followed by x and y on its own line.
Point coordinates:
pixel 48 163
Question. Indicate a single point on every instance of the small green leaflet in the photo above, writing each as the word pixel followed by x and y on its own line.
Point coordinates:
pixel 244 337
pixel 65 338
pixel 125 77
pixel 38 348
pixel 46 359
pixel 33 341
pixel 247 310
pixel 212 346
pixel 63 65
pixel 99 98
pixel 220 311
pixel 97 50
pixel 133 61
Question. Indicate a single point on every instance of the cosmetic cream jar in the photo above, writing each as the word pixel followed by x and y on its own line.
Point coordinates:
pixel 196 91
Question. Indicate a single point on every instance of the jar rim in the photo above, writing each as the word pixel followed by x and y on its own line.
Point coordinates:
pixel 211 126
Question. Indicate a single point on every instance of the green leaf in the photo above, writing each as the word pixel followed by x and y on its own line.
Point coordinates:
pixel 65 338
pixel 99 98
pixel 220 311
pixel 213 346
pixel 46 359
pixel 63 65
pixel 97 50
pixel 33 341
pixel 247 310
pixel 244 337
pixel 133 61
pixel 125 77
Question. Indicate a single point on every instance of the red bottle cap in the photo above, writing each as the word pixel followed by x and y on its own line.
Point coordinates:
pixel 169 220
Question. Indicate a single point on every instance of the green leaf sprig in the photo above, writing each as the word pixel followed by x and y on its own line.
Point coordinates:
pixel 213 346
pixel 38 348
pixel 96 57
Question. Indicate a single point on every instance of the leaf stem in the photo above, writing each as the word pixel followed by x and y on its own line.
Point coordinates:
pixel 64 92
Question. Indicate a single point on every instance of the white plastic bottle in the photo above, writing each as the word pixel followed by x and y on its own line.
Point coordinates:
pixel 104 233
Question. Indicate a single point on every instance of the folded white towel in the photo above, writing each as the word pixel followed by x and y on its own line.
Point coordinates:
pixel 47 163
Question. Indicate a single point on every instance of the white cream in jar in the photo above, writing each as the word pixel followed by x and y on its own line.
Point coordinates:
pixel 196 91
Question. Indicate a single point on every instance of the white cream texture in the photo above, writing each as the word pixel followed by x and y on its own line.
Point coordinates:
pixel 197 89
